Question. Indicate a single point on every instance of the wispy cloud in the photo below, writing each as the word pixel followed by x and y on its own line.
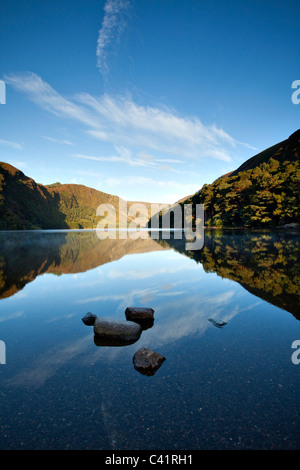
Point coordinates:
pixel 13 145
pixel 124 155
pixel 113 24
pixel 159 129
pixel 58 141
pixel 46 97
pixel 126 124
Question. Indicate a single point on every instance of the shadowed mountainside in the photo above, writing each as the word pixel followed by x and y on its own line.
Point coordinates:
pixel 27 205
pixel 263 192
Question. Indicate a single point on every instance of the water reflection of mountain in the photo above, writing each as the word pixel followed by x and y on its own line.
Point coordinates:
pixel 264 263
pixel 26 255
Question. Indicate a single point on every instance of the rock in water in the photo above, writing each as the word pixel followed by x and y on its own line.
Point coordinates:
pixel 117 330
pixel 105 341
pixel 138 313
pixel 89 318
pixel 147 362
pixel 142 316
pixel 218 324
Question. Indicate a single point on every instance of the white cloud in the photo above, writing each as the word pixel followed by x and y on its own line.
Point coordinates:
pixel 131 124
pixel 113 24
pixel 58 141
pixel 46 97
pixel 126 124
pixel 124 156
pixel 13 145
pixel 169 160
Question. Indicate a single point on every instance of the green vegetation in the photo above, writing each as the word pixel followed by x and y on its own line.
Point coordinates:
pixel 24 204
pixel 54 185
pixel 27 205
pixel 265 196
pixel 263 192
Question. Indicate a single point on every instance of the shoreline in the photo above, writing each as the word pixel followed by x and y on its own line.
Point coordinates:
pixel 286 227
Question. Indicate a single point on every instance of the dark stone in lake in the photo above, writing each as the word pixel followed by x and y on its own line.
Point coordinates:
pixel 145 323
pixel 89 318
pixel 105 341
pixel 218 324
pixel 140 315
pixel 117 330
pixel 147 362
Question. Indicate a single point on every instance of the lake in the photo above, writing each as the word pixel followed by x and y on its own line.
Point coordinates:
pixel 230 387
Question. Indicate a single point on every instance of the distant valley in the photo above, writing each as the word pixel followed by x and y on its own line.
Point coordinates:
pixel 263 192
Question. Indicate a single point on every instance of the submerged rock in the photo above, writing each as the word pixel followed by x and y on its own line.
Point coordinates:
pixel 147 362
pixel 100 340
pixel 218 324
pixel 116 330
pixel 145 323
pixel 140 315
pixel 89 318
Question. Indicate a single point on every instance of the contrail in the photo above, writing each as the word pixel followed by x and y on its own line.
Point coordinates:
pixel 113 24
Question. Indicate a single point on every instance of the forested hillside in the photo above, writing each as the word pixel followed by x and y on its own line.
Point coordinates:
pixel 264 191
pixel 25 204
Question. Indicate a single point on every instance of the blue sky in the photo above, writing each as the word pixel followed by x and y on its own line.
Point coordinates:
pixel 145 99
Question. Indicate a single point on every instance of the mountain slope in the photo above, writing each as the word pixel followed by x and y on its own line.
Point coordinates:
pixel 288 150
pixel 25 204
pixel 264 191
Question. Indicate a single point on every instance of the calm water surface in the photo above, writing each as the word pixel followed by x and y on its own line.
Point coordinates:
pixel 234 387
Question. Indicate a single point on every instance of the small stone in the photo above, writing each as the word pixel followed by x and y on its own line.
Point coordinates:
pixel 102 340
pixel 147 362
pixel 117 330
pixel 89 318
pixel 140 315
pixel 218 324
